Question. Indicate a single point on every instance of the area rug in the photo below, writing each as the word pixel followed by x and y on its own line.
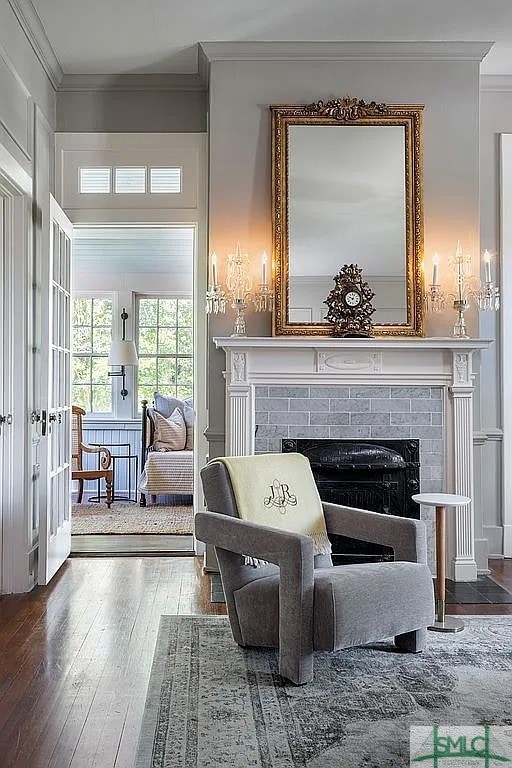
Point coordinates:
pixel 131 518
pixel 211 704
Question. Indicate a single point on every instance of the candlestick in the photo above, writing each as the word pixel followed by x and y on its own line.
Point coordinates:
pixel 435 269
pixel 214 270
pixel 487 263
pixel 238 289
pixel 264 268
pixel 485 294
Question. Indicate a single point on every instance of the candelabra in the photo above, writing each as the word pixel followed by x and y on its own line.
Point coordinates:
pixel 238 289
pixel 468 287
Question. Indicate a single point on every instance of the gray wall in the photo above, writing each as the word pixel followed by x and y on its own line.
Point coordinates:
pixel 240 195
pixel 132 111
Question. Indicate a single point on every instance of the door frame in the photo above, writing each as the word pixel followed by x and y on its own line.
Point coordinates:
pixel 18 561
pixel 100 145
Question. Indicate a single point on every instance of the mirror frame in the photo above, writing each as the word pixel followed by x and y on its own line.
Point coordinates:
pixel 348 111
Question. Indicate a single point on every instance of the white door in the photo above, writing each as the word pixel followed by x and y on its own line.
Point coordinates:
pixel 55 509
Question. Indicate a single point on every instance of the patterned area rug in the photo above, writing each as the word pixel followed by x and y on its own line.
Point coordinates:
pixel 211 704
pixel 130 518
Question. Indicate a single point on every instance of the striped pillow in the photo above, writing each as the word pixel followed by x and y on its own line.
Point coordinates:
pixel 171 433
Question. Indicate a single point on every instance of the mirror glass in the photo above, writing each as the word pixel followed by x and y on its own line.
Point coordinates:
pixel 346 205
pixel 347 189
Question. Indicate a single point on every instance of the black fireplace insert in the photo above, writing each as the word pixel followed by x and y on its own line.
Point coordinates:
pixel 378 475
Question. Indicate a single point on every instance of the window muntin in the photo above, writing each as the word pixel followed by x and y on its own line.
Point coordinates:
pixel 92 336
pixel 165 347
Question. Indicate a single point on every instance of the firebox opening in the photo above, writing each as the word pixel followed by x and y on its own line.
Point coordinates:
pixel 378 475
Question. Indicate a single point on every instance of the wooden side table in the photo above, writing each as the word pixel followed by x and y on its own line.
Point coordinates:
pixel 442 501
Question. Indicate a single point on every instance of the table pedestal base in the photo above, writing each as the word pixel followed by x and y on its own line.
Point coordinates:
pixel 445 623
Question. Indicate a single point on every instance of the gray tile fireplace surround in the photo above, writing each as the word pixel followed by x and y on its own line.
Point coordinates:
pixel 357 412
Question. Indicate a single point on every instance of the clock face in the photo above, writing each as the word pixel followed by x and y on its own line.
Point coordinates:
pixel 352 298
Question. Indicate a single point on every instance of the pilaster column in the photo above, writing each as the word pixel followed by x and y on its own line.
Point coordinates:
pixel 239 407
pixel 461 548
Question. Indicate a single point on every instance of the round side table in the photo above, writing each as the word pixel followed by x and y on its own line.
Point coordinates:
pixel 442 501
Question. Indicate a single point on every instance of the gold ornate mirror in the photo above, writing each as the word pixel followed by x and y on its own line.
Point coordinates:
pixel 347 189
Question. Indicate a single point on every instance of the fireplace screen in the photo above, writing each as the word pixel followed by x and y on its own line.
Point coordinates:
pixel 378 475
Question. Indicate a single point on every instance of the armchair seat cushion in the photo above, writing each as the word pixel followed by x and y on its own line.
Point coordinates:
pixel 353 605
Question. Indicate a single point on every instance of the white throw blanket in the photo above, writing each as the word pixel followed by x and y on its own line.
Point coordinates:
pixel 278 490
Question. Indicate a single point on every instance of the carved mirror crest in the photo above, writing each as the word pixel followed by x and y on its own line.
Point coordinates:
pixel 347 189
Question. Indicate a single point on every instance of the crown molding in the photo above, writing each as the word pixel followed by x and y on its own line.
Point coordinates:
pixel 345 51
pixel 34 31
pixel 135 82
pixel 496 83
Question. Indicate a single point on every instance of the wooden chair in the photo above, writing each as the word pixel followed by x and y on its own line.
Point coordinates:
pixel 78 448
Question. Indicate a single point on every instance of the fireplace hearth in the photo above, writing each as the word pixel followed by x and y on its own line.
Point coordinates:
pixel 378 475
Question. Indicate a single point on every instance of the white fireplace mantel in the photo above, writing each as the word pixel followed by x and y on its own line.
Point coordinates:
pixel 444 362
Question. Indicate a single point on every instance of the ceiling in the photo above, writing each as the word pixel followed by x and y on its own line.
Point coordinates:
pixel 161 36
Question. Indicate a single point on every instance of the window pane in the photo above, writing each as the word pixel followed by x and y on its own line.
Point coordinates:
pixel 81 395
pixel 102 398
pixel 101 340
pixel 167 310
pixel 184 369
pixel 81 369
pixel 130 181
pixel 165 180
pixel 185 312
pixel 102 312
pixel 147 341
pixel 146 393
pixel 94 180
pixel 185 341
pixel 82 340
pixel 148 311
pixel 184 392
pixel 167 341
pixel 82 311
pixel 147 371
pixel 100 370
pixel 166 371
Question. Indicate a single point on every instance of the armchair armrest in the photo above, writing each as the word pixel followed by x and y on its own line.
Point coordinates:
pixel 105 460
pixel 407 537
pixel 293 553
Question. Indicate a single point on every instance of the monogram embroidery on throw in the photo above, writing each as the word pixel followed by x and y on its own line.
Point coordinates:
pixel 280 497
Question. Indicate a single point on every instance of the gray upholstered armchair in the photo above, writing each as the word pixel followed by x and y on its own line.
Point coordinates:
pixel 301 603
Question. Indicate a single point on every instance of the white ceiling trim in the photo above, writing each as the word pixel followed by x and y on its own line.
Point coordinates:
pixel 34 31
pixel 496 83
pixel 346 50
pixel 148 82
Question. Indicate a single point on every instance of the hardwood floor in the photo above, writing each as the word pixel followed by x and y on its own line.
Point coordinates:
pixel 75 657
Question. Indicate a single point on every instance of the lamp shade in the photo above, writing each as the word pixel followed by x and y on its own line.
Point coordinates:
pixel 123 353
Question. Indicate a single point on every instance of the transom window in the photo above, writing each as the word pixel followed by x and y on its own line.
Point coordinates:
pixel 92 336
pixel 165 347
pixel 126 180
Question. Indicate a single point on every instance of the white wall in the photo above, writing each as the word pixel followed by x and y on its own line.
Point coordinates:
pixel 496 118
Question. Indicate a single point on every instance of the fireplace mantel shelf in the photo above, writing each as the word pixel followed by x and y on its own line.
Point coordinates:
pixel 310 342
